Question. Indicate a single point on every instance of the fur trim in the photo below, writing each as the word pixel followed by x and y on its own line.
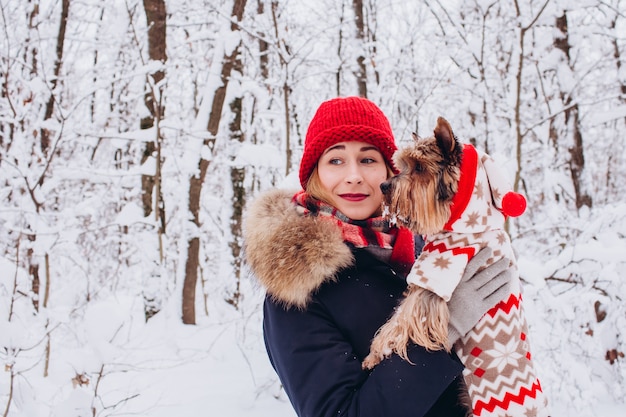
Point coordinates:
pixel 291 255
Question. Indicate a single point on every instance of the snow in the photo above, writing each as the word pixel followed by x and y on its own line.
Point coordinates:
pixel 100 256
pixel 161 367
pixel 130 214
pixel 259 155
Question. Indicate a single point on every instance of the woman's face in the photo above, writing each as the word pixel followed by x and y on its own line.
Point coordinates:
pixel 351 173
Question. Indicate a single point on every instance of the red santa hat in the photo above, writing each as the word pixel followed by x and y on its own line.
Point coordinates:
pixel 509 202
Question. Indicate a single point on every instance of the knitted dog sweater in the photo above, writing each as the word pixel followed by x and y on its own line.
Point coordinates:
pixel 498 369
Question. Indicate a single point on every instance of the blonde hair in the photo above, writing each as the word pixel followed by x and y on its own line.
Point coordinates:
pixel 315 189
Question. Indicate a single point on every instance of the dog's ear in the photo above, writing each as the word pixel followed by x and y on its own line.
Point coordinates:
pixel 445 137
pixel 452 153
pixel 445 191
pixel 415 137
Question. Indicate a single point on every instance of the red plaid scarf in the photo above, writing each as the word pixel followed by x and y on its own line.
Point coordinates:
pixel 374 232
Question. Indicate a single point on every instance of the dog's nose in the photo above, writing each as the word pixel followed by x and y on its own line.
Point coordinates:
pixel 385 187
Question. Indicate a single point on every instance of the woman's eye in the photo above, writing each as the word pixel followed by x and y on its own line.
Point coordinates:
pixel 334 161
pixel 368 160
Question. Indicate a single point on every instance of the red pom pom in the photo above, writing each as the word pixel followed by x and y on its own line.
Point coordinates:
pixel 513 204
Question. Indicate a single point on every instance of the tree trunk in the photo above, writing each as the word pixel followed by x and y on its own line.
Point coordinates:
pixel 518 108
pixel 157 36
pixel 152 200
pixel 519 136
pixel 264 61
pixel 284 56
pixel 46 297
pixel 573 131
pixel 33 270
pixel 613 171
pixel 32 262
pixel 45 133
pixel 618 61
pixel 237 178
pixel 339 53
pixel 361 75
pixel 196 181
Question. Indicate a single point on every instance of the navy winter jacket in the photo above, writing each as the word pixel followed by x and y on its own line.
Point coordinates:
pixel 324 303
pixel 317 353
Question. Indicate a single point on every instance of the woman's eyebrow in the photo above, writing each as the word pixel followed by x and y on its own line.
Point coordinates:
pixel 340 147
pixel 343 147
pixel 369 148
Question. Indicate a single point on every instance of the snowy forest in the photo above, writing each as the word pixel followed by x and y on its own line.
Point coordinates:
pixel 133 135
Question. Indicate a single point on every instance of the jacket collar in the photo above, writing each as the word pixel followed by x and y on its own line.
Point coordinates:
pixel 291 255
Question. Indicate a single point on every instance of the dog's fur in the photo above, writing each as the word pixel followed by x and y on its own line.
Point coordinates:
pixel 453 194
pixel 420 198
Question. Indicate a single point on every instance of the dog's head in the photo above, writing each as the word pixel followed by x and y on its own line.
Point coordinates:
pixel 419 197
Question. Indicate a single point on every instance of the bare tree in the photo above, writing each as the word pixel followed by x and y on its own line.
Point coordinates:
pixel 45 133
pixel 46 145
pixel 570 139
pixel 614 169
pixel 284 56
pixel 196 181
pixel 263 45
pixel 237 179
pixel 361 75
pixel 156 19
pixel 618 56
pixel 153 99
pixel 519 74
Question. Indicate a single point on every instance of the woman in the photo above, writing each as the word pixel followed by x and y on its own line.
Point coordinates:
pixel 333 270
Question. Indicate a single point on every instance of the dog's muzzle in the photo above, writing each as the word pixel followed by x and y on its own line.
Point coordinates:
pixel 385 187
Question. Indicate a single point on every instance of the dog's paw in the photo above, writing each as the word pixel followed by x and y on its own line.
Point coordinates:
pixel 370 361
pixel 376 355
pixel 390 338
pixel 381 348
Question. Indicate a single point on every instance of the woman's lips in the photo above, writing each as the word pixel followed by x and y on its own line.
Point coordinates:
pixel 353 197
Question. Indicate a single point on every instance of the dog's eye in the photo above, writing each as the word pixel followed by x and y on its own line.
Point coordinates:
pixel 419 168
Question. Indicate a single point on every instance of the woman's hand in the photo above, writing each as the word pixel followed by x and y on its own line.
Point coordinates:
pixel 478 292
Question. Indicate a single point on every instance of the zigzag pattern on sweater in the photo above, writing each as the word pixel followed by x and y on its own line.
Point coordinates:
pixel 506 306
pixel 499 372
pixel 460 245
pixel 509 398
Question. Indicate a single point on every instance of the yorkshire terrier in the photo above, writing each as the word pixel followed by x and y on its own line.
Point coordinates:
pixel 455 197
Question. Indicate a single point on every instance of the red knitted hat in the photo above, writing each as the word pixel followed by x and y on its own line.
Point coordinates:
pixel 342 120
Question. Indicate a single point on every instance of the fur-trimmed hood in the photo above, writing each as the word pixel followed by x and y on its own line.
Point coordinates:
pixel 291 255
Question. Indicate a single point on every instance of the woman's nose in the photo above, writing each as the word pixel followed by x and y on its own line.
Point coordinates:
pixel 354 177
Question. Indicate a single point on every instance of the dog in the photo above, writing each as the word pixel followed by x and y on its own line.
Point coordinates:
pixel 454 196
